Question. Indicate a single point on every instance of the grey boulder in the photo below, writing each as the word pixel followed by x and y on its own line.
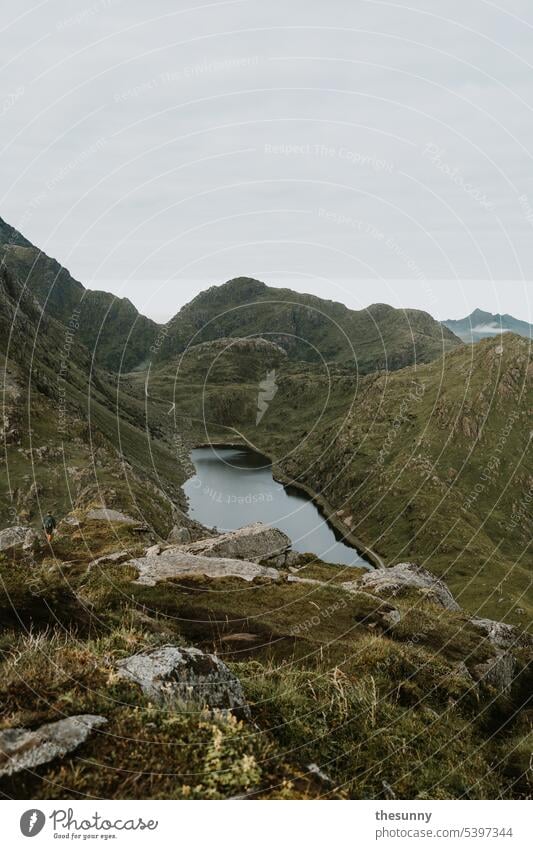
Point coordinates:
pixel 179 535
pixel 176 676
pixel 23 749
pixel 391 581
pixel 13 537
pixel 253 542
pixel 31 539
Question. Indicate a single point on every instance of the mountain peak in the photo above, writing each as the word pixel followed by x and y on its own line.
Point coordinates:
pixel 480 315
pixel 10 236
pixel 243 286
pixel 480 325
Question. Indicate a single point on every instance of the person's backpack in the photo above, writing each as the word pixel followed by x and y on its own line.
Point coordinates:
pixel 49 524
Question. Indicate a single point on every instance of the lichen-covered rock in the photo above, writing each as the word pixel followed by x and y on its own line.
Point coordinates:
pixel 173 675
pixel 31 539
pixel 23 749
pixel 497 672
pixel 105 514
pixel 502 636
pixel 71 521
pixel 179 536
pixel 13 537
pixel 391 581
pixel 253 542
pixel 175 563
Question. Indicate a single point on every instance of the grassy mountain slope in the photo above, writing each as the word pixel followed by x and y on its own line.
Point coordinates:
pixel 310 329
pixel 70 433
pixel 111 328
pixel 385 713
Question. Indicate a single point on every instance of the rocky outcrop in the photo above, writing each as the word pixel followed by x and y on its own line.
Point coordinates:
pixel 105 514
pixel 287 560
pixel 502 636
pixel 31 540
pixel 179 535
pixel 71 521
pixel 255 542
pixel 392 581
pixel 23 749
pixel 175 563
pixel 172 675
pixel 13 537
pixel 497 672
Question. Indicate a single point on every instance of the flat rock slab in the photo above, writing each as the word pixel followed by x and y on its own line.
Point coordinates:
pixel 174 563
pixel 392 580
pixel 114 557
pixel 253 542
pixel 23 749
pixel 174 676
pixel 104 514
pixel 294 579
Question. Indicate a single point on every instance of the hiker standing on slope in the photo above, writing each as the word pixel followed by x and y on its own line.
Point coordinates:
pixel 49 526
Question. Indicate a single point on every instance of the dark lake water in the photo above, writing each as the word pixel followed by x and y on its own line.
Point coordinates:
pixel 234 487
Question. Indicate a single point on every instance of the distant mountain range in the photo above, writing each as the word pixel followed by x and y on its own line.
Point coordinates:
pixel 310 329
pixel 485 325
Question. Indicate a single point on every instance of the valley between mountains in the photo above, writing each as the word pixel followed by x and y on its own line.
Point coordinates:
pixel 145 655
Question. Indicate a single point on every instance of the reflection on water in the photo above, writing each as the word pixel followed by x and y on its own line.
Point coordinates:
pixel 234 487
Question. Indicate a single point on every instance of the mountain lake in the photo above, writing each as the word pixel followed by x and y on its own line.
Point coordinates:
pixel 234 487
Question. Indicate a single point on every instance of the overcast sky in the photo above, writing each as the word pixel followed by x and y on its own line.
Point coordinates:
pixel 363 151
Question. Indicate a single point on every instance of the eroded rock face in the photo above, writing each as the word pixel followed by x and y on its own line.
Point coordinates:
pixel 391 581
pixel 13 537
pixel 173 675
pixel 105 514
pixel 23 749
pixel 175 563
pixel 255 542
